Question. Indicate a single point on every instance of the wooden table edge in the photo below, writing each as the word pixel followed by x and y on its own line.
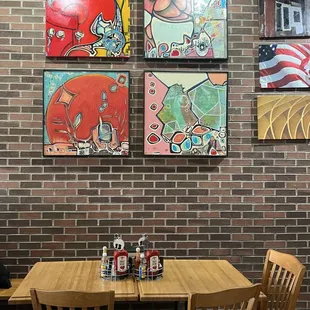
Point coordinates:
pixel 27 300
pixel 150 297
pixel 19 301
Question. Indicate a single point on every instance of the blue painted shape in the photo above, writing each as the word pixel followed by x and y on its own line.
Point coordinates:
pixel 196 140
pixel 186 145
pixel 175 148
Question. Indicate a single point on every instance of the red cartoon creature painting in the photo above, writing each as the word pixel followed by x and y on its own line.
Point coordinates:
pixel 86 113
pixel 87 28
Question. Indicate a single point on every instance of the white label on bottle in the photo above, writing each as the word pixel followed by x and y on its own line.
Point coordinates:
pixel 122 263
pixel 154 263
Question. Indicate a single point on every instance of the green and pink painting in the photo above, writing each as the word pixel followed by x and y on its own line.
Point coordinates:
pixel 185 113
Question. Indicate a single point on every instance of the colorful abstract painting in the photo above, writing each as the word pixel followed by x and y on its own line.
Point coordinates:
pixel 284 65
pixel 86 113
pixel 185 29
pixel 283 117
pixel 284 18
pixel 87 28
pixel 185 113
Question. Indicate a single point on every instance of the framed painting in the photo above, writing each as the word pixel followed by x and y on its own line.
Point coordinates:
pixel 284 65
pixel 283 117
pixel 185 29
pixel 284 18
pixel 87 28
pixel 86 113
pixel 185 113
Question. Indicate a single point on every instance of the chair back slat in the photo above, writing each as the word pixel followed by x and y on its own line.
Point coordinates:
pixel 280 292
pixel 276 291
pixel 244 298
pixel 235 307
pixel 71 300
pixel 282 278
pixel 270 288
pixel 243 306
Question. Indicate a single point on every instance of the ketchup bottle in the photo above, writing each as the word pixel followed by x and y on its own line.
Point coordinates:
pixel 137 259
pixel 121 262
pixel 152 261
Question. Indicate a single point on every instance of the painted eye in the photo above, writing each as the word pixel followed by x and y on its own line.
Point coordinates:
pixel 60 34
pixel 153 106
pixel 113 88
pixel 202 46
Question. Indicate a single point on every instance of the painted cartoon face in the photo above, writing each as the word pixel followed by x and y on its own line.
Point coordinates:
pixel 202 44
pixel 168 22
pixel 87 28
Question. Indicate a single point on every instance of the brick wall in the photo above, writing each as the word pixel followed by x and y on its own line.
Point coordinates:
pixel 68 208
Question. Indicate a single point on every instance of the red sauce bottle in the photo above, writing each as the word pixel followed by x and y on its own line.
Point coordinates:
pixel 121 262
pixel 152 261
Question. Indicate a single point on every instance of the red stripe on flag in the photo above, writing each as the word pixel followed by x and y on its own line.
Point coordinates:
pixel 280 65
pixel 300 49
pixel 287 79
pixel 283 51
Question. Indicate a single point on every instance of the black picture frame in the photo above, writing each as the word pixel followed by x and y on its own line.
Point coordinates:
pixel 44 118
pixel 190 59
pixel 187 155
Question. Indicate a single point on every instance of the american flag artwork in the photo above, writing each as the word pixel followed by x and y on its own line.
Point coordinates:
pixel 284 65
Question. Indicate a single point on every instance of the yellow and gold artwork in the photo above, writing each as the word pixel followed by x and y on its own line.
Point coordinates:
pixel 283 117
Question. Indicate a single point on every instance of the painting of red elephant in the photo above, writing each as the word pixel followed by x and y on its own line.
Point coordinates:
pixel 87 28
pixel 86 113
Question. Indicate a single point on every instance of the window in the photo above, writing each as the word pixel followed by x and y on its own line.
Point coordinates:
pixel 297 18
pixel 278 16
pixel 288 16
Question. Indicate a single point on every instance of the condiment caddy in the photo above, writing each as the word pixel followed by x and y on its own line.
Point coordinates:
pixel 144 265
pixel 116 267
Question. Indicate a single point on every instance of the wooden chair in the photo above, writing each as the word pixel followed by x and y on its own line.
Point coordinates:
pixel 282 278
pixel 71 300
pixel 244 298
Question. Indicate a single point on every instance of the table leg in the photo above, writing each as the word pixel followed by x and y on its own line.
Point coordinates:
pixel 185 305
pixel 176 305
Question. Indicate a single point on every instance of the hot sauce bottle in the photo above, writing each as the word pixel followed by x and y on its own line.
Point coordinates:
pixel 142 267
pixel 137 259
pixel 104 262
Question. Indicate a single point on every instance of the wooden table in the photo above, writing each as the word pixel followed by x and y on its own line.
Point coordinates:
pixel 182 277
pixel 5 294
pixel 78 275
